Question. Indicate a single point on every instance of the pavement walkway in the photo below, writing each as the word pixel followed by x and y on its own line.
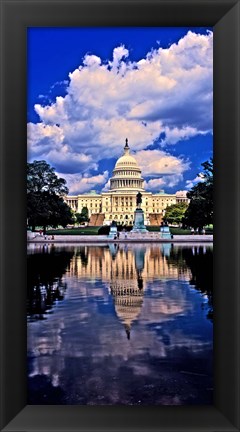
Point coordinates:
pixel 136 239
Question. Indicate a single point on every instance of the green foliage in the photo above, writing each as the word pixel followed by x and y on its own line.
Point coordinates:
pixel 78 218
pixel 175 213
pixel 83 216
pixel 200 209
pixel 104 230
pixel 45 191
pixel 42 178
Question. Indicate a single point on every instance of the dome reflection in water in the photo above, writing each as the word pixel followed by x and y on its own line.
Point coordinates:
pixel 120 324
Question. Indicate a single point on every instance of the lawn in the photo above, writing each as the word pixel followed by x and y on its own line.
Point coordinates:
pixel 91 230
pixel 179 231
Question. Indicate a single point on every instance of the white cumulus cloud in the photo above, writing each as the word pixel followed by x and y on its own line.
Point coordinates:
pixel 191 183
pixel 78 183
pixel 165 169
pixel 155 162
pixel 167 92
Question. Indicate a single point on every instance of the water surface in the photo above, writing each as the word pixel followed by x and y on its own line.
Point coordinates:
pixel 120 324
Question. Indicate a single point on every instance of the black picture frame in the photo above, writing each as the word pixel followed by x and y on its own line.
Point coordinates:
pixel 16 16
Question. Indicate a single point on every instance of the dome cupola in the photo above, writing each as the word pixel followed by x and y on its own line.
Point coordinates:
pixel 126 174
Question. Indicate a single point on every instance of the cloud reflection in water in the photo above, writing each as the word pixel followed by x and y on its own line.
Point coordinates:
pixel 129 329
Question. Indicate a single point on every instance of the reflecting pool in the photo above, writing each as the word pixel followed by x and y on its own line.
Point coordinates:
pixel 120 324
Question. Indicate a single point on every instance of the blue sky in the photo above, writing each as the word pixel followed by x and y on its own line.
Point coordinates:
pixel 91 88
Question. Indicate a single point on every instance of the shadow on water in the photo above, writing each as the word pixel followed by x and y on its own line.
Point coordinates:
pixel 44 282
pixel 199 260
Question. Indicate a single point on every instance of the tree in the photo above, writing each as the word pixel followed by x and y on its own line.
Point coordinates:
pixel 45 192
pixel 200 209
pixel 175 213
pixel 83 216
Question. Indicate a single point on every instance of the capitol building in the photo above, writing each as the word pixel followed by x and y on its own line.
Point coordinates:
pixel 119 203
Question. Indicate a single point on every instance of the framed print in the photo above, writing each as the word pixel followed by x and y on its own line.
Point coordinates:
pixel 24 409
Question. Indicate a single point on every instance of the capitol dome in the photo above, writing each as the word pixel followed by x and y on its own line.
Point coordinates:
pixel 126 160
pixel 128 301
pixel 126 174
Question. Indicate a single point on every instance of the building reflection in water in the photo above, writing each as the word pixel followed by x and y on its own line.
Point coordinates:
pixel 125 261
pixel 127 269
pixel 127 287
pixel 131 316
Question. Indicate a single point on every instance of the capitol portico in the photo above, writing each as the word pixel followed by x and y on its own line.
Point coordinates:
pixel 119 203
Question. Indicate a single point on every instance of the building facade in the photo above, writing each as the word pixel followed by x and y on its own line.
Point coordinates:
pixel 119 203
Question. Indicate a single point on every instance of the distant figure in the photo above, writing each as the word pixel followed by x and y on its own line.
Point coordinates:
pixel 118 234
pixel 139 199
pixel 52 237
pixel 203 231
pixel 114 223
pixel 192 231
